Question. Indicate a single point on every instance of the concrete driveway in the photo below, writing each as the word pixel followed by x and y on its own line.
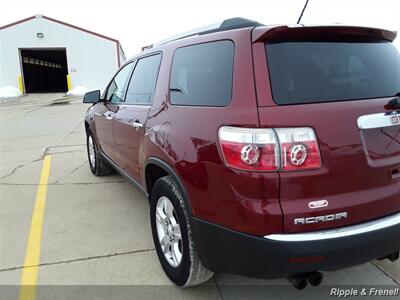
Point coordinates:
pixel 96 241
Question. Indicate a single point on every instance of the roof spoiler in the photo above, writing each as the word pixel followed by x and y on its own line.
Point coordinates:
pixel 331 32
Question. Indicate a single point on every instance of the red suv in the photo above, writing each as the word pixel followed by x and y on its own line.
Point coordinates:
pixel 265 151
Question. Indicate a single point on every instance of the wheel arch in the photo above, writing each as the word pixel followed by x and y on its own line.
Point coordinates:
pixel 90 128
pixel 154 164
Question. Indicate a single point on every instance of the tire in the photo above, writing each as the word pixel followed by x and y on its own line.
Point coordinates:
pixel 166 200
pixel 97 163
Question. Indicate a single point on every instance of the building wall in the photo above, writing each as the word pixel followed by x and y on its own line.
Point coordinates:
pixel 92 60
pixel 1 59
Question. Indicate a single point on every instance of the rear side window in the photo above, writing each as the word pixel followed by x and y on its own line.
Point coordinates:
pixel 309 72
pixel 143 81
pixel 202 74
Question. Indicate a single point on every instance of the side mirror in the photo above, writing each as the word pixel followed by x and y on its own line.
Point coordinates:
pixel 92 97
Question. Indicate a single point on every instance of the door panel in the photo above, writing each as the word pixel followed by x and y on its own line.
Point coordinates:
pixel 104 127
pixel 106 111
pixel 128 139
pixel 129 121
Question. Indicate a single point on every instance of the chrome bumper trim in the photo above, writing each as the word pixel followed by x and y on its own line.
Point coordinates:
pixel 352 230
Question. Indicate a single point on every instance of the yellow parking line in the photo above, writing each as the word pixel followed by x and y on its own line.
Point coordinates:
pixel 32 257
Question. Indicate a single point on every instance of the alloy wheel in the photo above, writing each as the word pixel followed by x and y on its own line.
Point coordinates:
pixel 92 154
pixel 169 231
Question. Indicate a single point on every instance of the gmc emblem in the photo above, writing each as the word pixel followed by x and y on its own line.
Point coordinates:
pixel 320 219
pixel 318 204
pixel 395 120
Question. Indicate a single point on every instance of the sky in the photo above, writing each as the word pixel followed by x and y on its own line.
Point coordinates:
pixel 136 23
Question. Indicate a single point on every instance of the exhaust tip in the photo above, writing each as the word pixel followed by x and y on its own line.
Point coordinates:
pixel 298 281
pixel 315 278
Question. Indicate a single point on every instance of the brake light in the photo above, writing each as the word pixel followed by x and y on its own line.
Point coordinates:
pixel 249 149
pixel 268 149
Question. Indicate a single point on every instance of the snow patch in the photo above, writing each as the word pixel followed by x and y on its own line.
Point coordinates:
pixel 9 92
pixel 78 91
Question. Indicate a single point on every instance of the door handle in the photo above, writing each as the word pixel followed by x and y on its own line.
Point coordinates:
pixel 137 125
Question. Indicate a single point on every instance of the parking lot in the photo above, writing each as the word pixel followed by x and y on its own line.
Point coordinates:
pixel 95 235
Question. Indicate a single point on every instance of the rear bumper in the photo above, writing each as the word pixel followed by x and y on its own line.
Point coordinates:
pixel 275 256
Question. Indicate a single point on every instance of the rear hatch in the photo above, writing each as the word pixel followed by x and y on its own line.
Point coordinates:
pixel 337 81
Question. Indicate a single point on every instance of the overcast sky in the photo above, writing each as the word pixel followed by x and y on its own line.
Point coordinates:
pixel 141 22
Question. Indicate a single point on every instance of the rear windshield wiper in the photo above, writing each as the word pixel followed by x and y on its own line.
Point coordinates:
pixel 394 103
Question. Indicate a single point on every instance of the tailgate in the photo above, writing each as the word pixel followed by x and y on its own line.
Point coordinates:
pixel 362 181
pixel 338 87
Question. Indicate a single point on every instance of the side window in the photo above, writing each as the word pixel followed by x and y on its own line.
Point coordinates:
pixel 143 81
pixel 202 74
pixel 115 92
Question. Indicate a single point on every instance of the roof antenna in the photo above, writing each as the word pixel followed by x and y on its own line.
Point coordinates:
pixel 302 12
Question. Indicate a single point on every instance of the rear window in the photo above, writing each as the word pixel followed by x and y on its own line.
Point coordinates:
pixel 309 72
pixel 202 74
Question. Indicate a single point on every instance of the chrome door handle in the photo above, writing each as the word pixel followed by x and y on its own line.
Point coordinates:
pixel 137 125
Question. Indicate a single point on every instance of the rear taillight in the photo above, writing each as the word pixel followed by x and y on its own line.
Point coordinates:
pixel 285 149
pixel 249 149
pixel 299 149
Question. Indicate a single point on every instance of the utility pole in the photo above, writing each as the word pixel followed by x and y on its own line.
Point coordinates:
pixel 302 12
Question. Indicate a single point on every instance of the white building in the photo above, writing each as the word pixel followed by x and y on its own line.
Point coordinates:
pixel 41 54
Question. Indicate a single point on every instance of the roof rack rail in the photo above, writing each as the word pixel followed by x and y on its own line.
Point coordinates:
pixel 228 24
pixel 147 47
pixel 234 23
